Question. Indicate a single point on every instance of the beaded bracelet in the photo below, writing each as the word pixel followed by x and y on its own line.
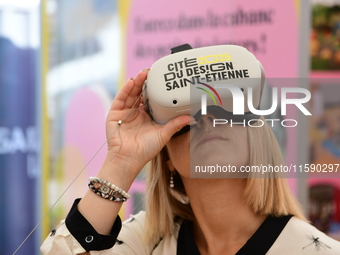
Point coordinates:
pixel 107 189
pixel 106 192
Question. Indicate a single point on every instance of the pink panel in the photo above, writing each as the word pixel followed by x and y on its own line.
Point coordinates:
pixel 85 127
pixel 272 34
pixel 155 26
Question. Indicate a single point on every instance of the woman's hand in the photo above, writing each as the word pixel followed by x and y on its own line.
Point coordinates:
pixel 139 138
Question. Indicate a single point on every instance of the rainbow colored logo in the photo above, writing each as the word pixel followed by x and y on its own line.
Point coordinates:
pixel 209 93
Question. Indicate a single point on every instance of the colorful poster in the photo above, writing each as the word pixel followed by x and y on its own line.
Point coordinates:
pixel 324 131
pixel 324 192
pixel 325 36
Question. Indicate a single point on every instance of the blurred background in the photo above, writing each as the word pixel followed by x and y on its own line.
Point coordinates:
pixel 62 62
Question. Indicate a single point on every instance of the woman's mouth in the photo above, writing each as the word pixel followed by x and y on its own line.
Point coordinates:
pixel 209 137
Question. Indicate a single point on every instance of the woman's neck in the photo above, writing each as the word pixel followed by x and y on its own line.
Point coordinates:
pixel 224 221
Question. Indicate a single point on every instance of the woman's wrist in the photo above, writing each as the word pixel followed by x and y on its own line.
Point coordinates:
pixel 119 172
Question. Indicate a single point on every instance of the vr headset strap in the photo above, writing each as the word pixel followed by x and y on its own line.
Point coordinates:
pixel 180 48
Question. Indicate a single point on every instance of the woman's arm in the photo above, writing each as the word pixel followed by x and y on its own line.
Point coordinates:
pixel 137 141
pixel 140 140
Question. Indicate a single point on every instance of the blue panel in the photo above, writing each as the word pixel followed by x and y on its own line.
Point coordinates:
pixel 18 147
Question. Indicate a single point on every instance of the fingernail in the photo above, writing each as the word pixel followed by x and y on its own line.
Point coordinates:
pixel 192 121
pixel 130 79
pixel 145 70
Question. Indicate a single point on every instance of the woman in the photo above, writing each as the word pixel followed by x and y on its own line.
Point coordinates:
pixel 185 215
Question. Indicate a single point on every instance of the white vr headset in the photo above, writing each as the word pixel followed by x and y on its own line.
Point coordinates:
pixel 176 83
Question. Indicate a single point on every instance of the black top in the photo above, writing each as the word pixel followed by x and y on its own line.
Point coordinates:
pixel 90 240
pixel 258 244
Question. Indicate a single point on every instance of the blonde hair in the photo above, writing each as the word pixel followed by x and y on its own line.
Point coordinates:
pixel 269 195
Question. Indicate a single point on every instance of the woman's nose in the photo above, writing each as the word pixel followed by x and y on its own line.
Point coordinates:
pixel 205 121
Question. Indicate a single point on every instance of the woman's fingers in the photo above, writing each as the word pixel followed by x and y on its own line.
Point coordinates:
pixel 175 125
pixel 119 100
pixel 136 90
pixel 129 93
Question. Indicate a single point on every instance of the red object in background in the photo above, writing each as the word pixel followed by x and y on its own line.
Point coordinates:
pixel 336 200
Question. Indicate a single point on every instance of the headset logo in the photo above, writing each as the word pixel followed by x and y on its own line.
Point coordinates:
pixel 209 93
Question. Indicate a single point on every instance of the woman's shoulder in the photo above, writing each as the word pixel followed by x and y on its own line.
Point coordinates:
pixel 300 237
